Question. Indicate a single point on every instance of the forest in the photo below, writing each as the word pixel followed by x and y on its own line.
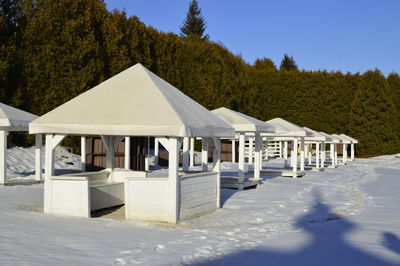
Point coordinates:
pixel 53 50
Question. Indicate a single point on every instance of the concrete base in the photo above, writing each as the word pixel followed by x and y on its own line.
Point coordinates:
pixel 233 182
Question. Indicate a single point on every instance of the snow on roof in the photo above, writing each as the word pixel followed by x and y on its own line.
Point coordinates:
pixel 12 118
pixel 135 102
pixel 286 128
pixel 313 135
pixel 353 140
pixel 342 139
pixel 330 138
pixel 241 122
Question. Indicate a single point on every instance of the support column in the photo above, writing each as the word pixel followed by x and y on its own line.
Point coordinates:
pixel 38 157
pixel 191 157
pixel 335 153
pixel 332 154
pixel 323 154
pixel 257 157
pixel 352 151
pixel 185 154
pixel 217 168
pixel 173 180
pixel 241 161
pixel 317 154
pixel 250 155
pixel 280 149
pixel 83 153
pixel 233 151
pixel 3 157
pixel 302 146
pixel 156 150
pixel 204 154
pixel 344 157
pixel 310 154
pixel 147 156
pixel 127 158
pixel 294 161
pixel 285 150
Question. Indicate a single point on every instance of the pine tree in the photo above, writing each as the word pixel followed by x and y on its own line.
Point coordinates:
pixel 288 63
pixel 194 24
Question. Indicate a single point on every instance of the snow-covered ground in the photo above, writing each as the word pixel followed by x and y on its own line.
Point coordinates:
pixel 344 216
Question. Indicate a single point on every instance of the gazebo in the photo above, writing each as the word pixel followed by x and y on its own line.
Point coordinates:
pixel 250 128
pixel 332 149
pixel 13 119
pixel 344 141
pixel 289 132
pixel 353 142
pixel 314 137
pixel 134 102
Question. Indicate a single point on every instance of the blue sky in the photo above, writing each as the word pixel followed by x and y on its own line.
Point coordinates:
pixel 352 35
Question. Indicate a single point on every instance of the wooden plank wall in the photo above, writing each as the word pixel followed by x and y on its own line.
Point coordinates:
pixel 198 195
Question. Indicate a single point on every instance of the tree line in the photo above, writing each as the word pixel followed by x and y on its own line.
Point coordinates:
pixel 53 50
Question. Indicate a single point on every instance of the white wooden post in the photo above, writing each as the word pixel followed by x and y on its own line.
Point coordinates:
pixel 344 157
pixel 250 155
pixel 335 153
pixel 156 151
pixel 332 154
pixel 285 150
pixel 310 154
pixel 147 156
pixel 173 179
pixel 217 168
pixel 257 157
pixel 38 157
pixel 317 154
pixel 191 158
pixel 83 153
pixel 127 158
pixel 3 157
pixel 241 161
pixel 280 149
pixel 306 150
pixel 233 151
pixel 323 154
pixel 108 142
pixel 185 154
pixel 295 144
pixel 51 143
pixel 302 146
pixel 204 154
pixel 352 151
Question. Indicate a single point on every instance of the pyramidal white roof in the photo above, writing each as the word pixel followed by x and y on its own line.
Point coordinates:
pixel 135 102
pixel 14 119
pixel 330 138
pixel 342 139
pixel 241 122
pixel 350 138
pixel 314 135
pixel 286 128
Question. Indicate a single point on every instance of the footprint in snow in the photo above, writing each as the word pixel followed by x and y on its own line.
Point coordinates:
pixel 159 247
pixel 119 261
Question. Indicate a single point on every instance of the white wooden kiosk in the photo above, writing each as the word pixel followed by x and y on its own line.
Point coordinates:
pixel 288 132
pixel 135 102
pixel 332 141
pixel 250 128
pixel 317 139
pixel 352 148
pixel 13 119
pixel 344 141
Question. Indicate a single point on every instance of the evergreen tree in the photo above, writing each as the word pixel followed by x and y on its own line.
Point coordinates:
pixel 288 63
pixel 194 24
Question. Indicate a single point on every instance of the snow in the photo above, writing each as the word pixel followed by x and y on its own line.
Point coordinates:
pixel 344 216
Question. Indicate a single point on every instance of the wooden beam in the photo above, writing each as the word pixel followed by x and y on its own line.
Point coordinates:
pixel 294 155
pixel 302 154
pixel 83 153
pixel 191 158
pixel 204 154
pixel 241 160
pixel 127 162
pixel 173 179
pixel 38 157
pixel 217 167
pixel 257 157
pixel 185 154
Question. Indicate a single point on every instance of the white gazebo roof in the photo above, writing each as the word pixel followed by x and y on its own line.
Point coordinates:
pixel 342 139
pixel 241 122
pixel 286 128
pixel 13 119
pixel 330 138
pixel 135 102
pixel 314 135
pixel 350 138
